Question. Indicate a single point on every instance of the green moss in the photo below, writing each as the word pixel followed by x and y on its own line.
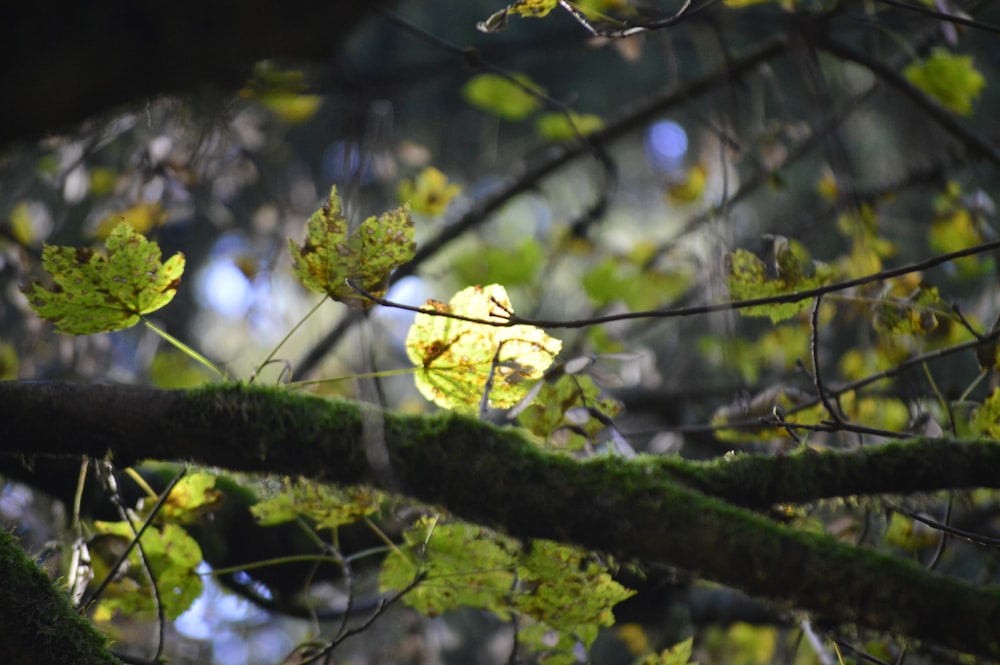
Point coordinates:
pixel 40 624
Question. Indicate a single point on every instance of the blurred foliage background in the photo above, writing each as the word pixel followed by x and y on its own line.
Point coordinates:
pixel 816 150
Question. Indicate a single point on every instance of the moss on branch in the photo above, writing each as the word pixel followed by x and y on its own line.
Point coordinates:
pixel 39 623
pixel 649 508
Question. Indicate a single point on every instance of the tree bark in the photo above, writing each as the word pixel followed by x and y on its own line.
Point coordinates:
pixel 633 509
pixel 66 61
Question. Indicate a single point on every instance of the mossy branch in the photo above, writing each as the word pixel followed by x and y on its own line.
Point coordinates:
pixel 646 509
pixel 39 623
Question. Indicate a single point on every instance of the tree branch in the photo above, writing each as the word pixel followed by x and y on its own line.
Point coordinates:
pixel 493 476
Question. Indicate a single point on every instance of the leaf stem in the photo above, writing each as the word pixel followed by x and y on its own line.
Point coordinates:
pixel 187 350
pixel 284 339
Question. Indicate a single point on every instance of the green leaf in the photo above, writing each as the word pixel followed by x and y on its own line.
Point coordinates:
pixel 327 507
pixel 455 359
pixel 679 654
pixel 565 591
pixel 511 266
pixel 616 280
pixel 907 316
pixel 951 79
pixel 956 227
pixel 501 96
pixel 559 127
pixel 986 419
pixel 464 566
pixel 566 587
pixel 96 293
pixel 330 255
pixel 173 557
pixel 191 498
pixel 747 278
pixel 553 415
pixel 9 362
pixel 429 193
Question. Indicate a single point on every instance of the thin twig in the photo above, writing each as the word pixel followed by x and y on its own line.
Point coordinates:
pixel 503 319
pixel 941 16
pixel 969 137
pixel 816 375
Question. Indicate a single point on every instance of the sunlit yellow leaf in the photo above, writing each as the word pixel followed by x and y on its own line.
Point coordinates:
pixel 455 359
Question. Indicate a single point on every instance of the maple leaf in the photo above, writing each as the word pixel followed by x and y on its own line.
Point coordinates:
pixel 332 259
pixel 95 292
pixel 456 359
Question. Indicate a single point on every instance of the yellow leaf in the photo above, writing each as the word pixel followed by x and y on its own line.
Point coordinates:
pixel 143 217
pixel 429 193
pixel 455 359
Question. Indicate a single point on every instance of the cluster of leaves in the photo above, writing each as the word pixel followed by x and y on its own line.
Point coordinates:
pixel 466 358
pixel 166 554
pixel 791 270
pixel 563 592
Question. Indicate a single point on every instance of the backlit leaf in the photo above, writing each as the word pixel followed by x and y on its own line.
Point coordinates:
pixel 951 79
pixel 455 359
pixel 747 278
pixel 326 506
pixel 332 256
pixel 94 292
pixel 502 97
pixel 191 498
pixel 559 127
pixel 565 592
pixel 465 566
pixel 986 419
pixel 173 556
pixel 429 193
pixel 550 415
